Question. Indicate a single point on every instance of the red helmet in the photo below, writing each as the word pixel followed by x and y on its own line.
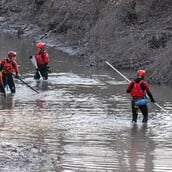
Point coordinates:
pixel 141 73
pixel 40 45
pixel 11 54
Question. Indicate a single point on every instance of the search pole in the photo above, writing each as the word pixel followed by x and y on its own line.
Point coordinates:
pixel 22 81
pixel 117 71
pixel 129 81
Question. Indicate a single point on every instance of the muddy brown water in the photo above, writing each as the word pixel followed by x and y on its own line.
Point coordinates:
pixel 80 121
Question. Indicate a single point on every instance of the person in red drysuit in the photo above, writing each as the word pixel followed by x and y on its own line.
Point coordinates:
pixel 9 66
pixel 138 88
pixel 42 60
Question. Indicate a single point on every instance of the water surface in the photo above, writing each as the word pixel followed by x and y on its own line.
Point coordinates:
pixel 80 121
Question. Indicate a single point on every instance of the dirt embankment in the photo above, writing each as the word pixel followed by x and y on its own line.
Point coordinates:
pixel 128 33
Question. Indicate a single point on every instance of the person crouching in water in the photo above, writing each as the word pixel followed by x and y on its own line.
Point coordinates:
pixel 10 66
pixel 138 88
pixel 42 60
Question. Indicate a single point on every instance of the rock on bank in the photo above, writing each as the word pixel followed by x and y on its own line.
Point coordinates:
pixel 131 34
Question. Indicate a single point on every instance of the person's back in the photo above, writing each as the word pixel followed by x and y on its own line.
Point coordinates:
pixel 138 89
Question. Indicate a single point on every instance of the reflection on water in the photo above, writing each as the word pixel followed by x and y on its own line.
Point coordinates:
pixel 42 85
pixel 80 121
pixel 142 147
pixel 8 102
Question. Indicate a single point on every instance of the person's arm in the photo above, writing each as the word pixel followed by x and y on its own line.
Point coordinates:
pixel 149 92
pixel 46 57
pixel 15 66
pixel 151 97
pixel 2 65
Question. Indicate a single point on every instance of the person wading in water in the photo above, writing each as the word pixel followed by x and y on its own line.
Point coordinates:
pixel 9 65
pixel 138 88
pixel 42 60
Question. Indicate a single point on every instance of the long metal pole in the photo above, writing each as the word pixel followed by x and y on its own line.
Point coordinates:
pixel 28 85
pixel 129 81
pixel 23 81
pixel 117 71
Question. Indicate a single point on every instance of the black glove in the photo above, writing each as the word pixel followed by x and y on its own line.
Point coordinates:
pixel 30 57
pixel 153 101
pixel 17 76
pixel 48 69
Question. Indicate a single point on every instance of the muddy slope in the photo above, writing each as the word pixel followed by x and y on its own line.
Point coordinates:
pixel 128 33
